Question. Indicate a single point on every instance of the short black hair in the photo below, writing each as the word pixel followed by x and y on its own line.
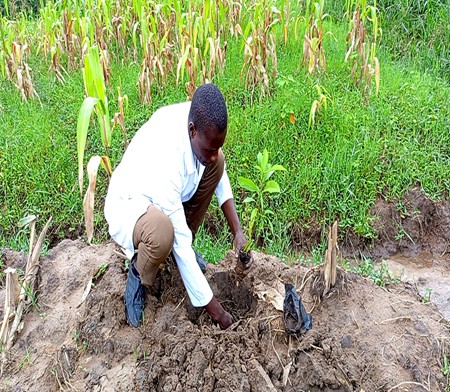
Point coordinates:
pixel 208 109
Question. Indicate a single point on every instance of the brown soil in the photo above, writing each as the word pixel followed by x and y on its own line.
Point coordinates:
pixel 364 338
pixel 411 225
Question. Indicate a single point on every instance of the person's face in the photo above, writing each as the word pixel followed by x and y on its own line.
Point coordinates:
pixel 206 144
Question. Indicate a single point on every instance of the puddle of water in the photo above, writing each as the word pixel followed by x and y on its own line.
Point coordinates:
pixel 429 273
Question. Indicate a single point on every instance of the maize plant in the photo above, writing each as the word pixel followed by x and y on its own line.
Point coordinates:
pixel 157 59
pixel 199 40
pixel 313 51
pixel 96 100
pixel 119 117
pixel 361 51
pixel 17 70
pixel 316 106
pixel 260 57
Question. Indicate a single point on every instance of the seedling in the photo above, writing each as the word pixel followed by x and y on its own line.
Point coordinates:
pixel 261 215
pixel 96 101
pixel 427 296
pixel 101 270
pixel 26 359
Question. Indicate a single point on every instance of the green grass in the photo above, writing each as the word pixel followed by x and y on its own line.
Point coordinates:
pixel 377 273
pixel 335 170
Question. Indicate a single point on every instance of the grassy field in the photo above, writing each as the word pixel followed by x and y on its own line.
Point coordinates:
pixel 360 147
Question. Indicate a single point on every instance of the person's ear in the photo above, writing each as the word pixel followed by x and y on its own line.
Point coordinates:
pixel 192 130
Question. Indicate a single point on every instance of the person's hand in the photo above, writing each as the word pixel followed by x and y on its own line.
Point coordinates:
pixel 218 314
pixel 239 243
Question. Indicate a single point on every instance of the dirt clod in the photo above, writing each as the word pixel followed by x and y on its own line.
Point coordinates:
pixel 363 337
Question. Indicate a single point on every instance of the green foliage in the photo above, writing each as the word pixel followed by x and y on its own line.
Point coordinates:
pixel 446 367
pixel 427 296
pixel 337 168
pixel 379 275
pixel 261 215
pixel 212 248
pixel 418 30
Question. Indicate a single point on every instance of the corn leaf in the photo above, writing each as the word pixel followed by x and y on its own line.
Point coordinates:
pixel 82 127
pixel 88 202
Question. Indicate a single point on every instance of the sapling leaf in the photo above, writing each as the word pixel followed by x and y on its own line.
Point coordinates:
pixel 265 160
pixel 278 167
pixel 249 200
pixel 271 187
pixel 248 184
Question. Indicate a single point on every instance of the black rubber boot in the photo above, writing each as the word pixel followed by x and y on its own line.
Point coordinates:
pixel 134 296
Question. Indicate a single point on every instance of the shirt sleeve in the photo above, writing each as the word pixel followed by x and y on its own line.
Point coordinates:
pixel 223 189
pixel 195 282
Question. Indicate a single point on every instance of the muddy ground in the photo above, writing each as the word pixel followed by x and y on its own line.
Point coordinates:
pixel 364 337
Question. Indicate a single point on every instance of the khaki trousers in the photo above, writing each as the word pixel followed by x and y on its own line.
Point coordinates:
pixel 153 233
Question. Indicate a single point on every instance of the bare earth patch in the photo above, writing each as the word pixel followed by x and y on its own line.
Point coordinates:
pixel 364 338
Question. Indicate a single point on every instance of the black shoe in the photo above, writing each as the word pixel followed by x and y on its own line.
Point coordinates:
pixel 134 296
pixel 200 261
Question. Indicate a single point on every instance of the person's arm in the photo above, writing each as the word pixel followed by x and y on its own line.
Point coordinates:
pixel 229 210
pixel 218 314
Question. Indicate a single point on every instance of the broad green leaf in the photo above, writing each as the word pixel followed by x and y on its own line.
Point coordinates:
pixel 259 159
pixel 247 184
pixel 265 160
pixel 249 200
pixel 82 127
pixel 273 169
pixel 278 167
pixel 271 187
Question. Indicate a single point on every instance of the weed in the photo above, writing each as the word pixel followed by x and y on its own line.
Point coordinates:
pixel 446 369
pixel 26 359
pixel 31 295
pixel 380 276
pixel 101 270
pixel 427 295
pixel 76 336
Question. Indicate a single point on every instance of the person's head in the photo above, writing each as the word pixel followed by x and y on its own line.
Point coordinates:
pixel 207 124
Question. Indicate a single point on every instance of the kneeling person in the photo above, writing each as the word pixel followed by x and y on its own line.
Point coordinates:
pixel 159 193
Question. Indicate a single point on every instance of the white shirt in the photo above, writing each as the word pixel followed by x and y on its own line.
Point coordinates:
pixel 160 168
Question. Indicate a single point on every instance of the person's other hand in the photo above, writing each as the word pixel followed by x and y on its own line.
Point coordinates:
pixel 239 243
pixel 219 314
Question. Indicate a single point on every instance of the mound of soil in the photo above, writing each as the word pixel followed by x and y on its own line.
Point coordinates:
pixel 364 338
pixel 410 225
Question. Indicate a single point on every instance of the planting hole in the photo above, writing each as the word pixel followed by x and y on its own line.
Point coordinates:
pixel 234 295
